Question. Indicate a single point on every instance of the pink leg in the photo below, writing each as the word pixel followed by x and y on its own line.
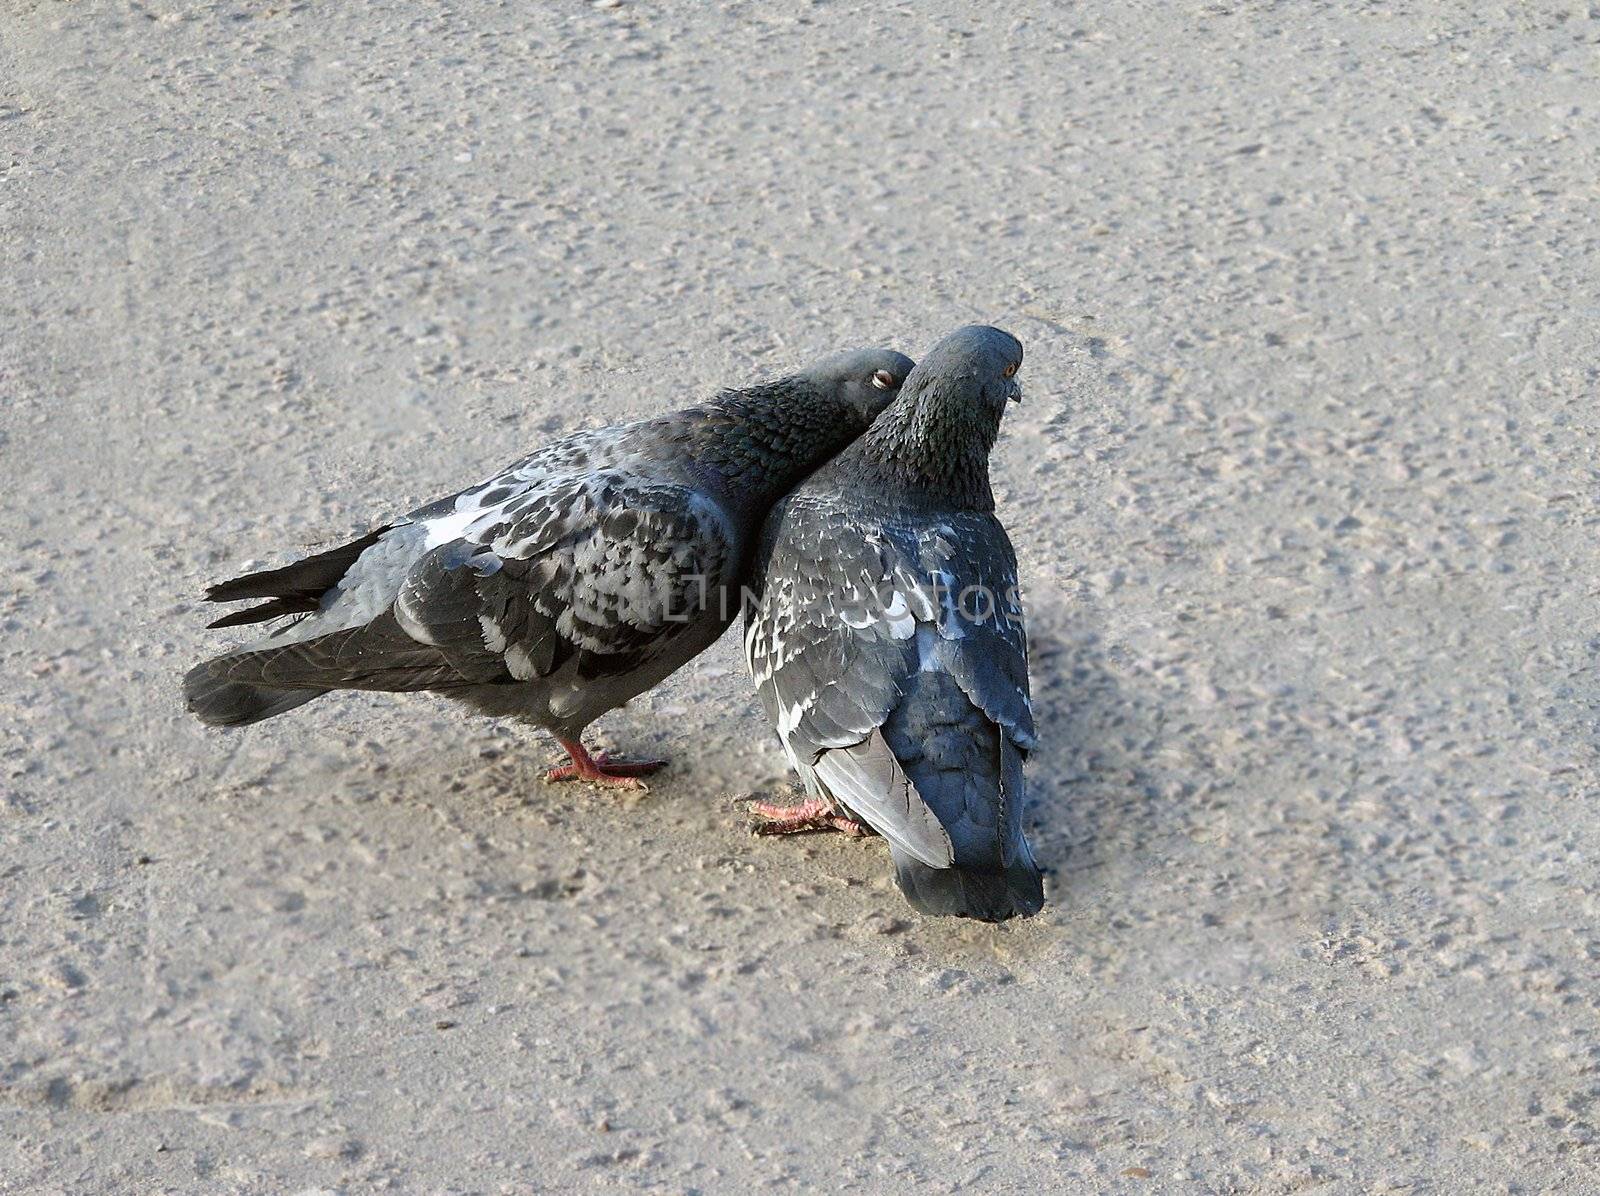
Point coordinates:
pixel 813 815
pixel 600 769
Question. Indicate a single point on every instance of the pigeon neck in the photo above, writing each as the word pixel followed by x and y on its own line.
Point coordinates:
pixel 762 442
pixel 936 448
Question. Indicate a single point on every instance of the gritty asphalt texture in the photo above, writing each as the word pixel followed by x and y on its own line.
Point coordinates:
pixel 1303 491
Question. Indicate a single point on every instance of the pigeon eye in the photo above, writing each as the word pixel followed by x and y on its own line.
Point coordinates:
pixel 884 380
pixel 1010 370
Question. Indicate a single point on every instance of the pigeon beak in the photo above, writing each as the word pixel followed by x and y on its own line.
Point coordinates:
pixel 1014 392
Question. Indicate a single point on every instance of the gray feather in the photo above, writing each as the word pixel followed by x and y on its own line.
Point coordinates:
pixel 219 702
pixel 893 696
pixel 869 781
pixel 563 586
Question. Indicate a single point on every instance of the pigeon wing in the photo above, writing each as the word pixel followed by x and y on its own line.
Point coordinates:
pixel 600 570
pixel 512 580
pixel 831 644
pixel 893 662
pixel 982 639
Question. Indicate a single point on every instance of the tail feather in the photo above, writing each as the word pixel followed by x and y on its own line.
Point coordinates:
pixel 968 892
pixel 994 884
pixel 219 702
pixel 275 609
pixel 254 683
pixel 295 588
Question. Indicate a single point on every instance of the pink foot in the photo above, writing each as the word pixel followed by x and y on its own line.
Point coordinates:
pixel 600 769
pixel 814 815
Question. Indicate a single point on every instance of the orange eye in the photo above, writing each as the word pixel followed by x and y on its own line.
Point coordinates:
pixel 884 380
pixel 1010 370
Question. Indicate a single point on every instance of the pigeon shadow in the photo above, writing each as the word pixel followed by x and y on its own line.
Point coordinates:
pixel 1094 794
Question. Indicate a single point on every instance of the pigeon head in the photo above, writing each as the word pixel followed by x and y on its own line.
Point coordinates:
pixel 971 370
pixel 867 380
pixel 759 442
pixel 937 435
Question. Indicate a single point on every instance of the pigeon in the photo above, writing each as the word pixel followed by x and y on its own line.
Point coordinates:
pixel 560 588
pixel 884 631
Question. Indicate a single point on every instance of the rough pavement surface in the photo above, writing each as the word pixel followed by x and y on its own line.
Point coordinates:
pixel 1304 494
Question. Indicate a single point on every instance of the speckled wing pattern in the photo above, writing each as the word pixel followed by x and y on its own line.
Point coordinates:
pixel 565 558
pixel 890 654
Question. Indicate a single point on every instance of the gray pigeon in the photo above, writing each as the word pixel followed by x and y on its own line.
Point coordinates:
pixel 884 631
pixel 557 590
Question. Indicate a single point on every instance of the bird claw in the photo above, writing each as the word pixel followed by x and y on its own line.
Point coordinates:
pixel 770 818
pixel 606 780
pixel 600 769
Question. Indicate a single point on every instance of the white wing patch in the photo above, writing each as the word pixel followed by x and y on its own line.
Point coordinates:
pixel 902 623
pixel 789 717
pixel 518 663
pixel 459 524
pixel 494 638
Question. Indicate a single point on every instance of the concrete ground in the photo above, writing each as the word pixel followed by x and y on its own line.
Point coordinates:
pixel 1304 494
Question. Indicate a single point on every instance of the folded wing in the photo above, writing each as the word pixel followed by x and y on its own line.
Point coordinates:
pixel 593 572
pixel 893 662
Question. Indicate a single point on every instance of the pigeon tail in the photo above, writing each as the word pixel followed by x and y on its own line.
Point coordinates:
pixel 1018 891
pixel 218 701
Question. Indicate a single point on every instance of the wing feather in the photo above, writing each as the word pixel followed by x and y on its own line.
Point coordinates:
pixel 894 682
pixel 869 780
pixel 545 565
